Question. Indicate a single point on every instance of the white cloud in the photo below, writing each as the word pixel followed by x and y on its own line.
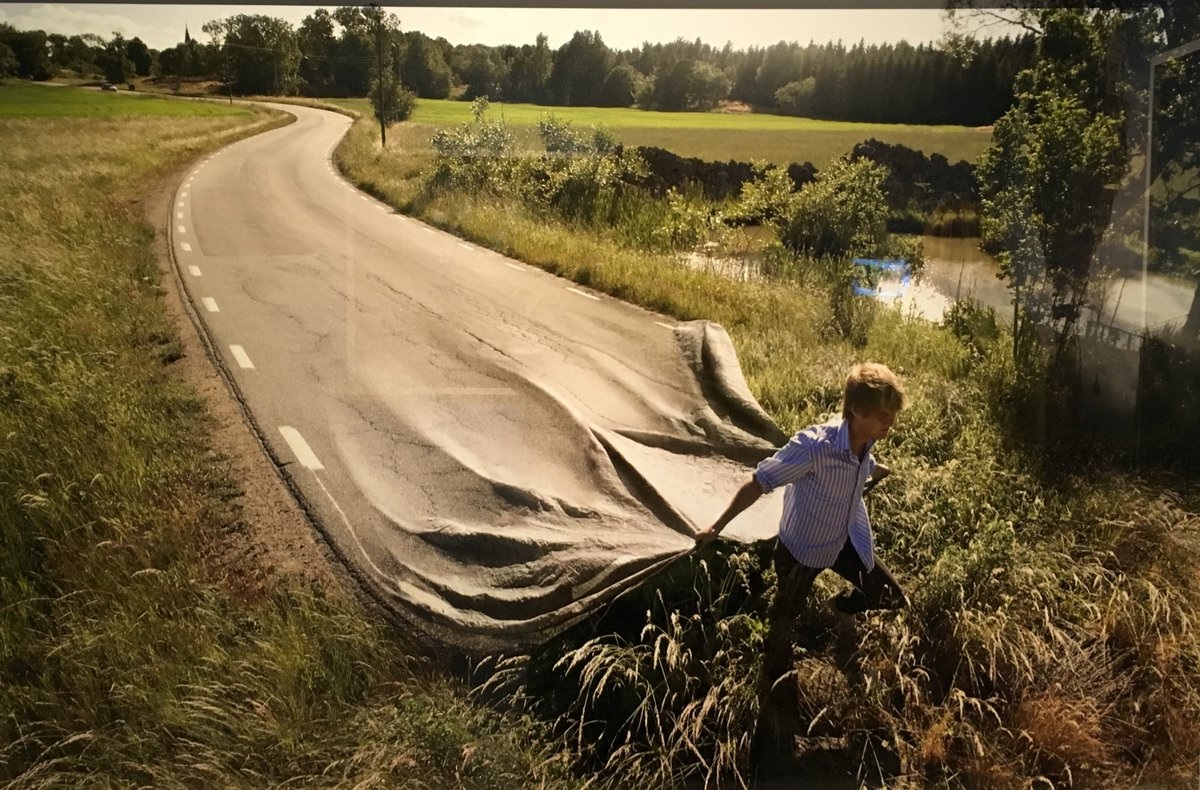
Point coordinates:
pixel 76 19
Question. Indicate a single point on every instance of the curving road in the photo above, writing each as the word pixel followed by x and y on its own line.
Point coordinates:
pixel 494 450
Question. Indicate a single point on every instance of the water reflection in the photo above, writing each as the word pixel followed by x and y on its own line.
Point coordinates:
pixel 1127 304
pixel 956 268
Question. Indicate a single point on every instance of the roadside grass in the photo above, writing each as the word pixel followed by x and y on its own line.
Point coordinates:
pixel 1052 635
pixel 125 659
pixel 716 137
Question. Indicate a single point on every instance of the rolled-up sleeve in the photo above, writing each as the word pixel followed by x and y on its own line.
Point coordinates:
pixel 793 461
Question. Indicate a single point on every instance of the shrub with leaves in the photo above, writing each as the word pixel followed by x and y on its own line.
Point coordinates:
pixel 559 137
pixel 582 178
pixel 842 213
pixel 477 155
pixel 767 198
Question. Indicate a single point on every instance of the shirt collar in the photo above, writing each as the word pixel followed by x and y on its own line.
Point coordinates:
pixel 841 439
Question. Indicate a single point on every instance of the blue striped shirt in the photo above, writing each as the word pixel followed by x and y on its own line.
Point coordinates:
pixel 823 503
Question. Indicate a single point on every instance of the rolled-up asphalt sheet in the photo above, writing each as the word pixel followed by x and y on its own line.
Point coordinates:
pixel 552 476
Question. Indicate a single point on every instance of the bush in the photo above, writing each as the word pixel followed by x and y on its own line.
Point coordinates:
pixel 476 155
pixel 842 213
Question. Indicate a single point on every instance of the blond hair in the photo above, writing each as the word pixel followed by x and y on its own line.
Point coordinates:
pixel 870 388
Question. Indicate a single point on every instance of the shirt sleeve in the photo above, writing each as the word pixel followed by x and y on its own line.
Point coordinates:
pixel 871 465
pixel 793 461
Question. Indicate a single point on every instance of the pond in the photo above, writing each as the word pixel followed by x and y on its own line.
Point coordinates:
pixel 956 268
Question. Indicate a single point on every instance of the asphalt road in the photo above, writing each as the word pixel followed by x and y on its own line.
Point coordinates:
pixel 496 451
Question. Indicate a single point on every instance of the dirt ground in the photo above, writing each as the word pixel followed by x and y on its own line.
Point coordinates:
pixel 275 541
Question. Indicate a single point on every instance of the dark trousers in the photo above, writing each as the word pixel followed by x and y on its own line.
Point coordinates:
pixel 873 589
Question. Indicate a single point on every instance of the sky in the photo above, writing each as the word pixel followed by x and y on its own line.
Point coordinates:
pixel 161 25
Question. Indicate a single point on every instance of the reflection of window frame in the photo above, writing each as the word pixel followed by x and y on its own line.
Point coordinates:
pixel 1182 50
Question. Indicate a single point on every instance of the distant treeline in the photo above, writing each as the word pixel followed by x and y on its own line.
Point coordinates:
pixel 333 53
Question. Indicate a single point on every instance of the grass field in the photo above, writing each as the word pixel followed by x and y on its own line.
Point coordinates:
pixel 22 100
pixel 716 136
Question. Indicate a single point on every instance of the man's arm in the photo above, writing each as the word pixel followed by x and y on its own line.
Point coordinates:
pixel 746 496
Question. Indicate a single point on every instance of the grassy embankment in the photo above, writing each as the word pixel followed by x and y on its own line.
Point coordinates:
pixel 125 659
pixel 1052 632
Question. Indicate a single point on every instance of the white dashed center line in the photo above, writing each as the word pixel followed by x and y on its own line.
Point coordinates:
pixel 243 359
pixel 582 293
pixel 194 271
pixel 181 229
pixel 183 245
pixel 300 448
pixel 513 266
pixel 178 215
pixel 210 304
pixel 465 246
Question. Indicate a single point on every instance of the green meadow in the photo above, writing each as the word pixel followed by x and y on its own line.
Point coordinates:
pixel 714 136
pixel 38 101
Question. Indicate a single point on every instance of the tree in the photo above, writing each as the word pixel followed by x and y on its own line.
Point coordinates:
pixel 1049 179
pixel 8 61
pixel 580 67
pixel 31 50
pixel 621 87
pixel 317 42
pixel 177 61
pixel 689 85
pixel 1174 231
pixel 261 53
pixel 795 98
pixel 529 72
pixel 483 74
pixel 114 60
pixel 389 100
pixel 77 53
pixel 425 67
pixel 140 56
pixel 781 64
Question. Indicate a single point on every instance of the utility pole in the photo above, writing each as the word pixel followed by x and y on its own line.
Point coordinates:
pixel 381 109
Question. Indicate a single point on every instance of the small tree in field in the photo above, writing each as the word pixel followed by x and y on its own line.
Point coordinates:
pixel 398 102
pixel 795 98
pixel 389 100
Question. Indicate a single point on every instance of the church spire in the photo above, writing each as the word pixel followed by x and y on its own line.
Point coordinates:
pixel 187 37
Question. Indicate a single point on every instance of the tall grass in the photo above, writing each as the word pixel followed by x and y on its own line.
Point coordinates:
pixel 1051 638
pixel 126 659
